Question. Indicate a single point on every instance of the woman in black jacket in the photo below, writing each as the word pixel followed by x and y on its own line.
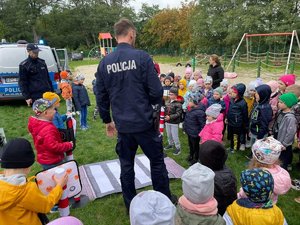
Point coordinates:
pixel 215 70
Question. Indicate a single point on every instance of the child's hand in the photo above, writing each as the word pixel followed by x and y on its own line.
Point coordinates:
pixel 167 118
pixel 226 121
pixel 61 181
pixel 78 113
pixel 72 143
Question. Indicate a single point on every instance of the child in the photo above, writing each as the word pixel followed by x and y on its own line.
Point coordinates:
pixel 197 75
pixel 194 122
pixel 237 118
pixel 217 98
pixel 176 80
pixel 224 85
pixel 46 137
pixel 167 86
pixel 273 101
pixel 182 87
pixel 96 110
pixel 197 205
pixel 261 115
pixel 81 100
pixel 21 199
pixel 173 111
pixel 285 81
pixel 250 93
pixel 214 155
pixel 191 88
pixel 187 75
pixel 151 208
pixel 214 124
pixel 162 78
pixel 207 91
pixel 285 127
pixel 257 208
pixel 58 120
pixel 66 89
pixel 200 83
pixel 266 153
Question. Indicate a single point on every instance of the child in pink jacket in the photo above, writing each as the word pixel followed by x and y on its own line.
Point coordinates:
pixel 266 153
pixel 214 124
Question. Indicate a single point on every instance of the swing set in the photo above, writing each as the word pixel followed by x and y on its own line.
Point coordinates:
pixel 247 37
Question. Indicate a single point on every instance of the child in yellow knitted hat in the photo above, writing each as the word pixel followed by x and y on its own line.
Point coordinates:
pixel 58 120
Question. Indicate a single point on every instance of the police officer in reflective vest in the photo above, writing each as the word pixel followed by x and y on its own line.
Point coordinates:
pixel 34 78
pixel 128 84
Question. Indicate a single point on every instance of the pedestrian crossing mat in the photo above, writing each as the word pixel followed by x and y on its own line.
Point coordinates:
pixel 103 178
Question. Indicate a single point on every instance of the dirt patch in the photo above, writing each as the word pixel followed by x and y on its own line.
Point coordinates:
pixel 243 76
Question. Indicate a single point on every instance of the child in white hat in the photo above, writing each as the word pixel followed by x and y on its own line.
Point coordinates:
pixel 197 205
pixel 266 154
pixel 152 208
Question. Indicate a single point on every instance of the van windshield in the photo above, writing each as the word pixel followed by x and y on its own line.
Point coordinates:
pixel 11 57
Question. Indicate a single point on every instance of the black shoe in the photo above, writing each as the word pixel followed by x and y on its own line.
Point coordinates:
pixel 174 199
pixel 192 162
pixel 177 151
pixel 168 147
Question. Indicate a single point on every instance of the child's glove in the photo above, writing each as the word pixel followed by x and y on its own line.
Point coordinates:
pixel 70 114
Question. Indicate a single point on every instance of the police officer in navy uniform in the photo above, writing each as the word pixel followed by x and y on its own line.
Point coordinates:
pixel 128 84
pixel 34 78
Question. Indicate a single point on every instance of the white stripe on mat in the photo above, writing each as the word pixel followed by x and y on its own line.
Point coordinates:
pixel 141 175
pixel 145 161
pixel 103 183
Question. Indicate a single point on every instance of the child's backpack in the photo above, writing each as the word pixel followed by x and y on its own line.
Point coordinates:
pixel 69 133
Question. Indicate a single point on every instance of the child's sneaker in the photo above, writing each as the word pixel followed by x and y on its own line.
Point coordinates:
pixel 177 151
pixel 168 147
pixel 242 147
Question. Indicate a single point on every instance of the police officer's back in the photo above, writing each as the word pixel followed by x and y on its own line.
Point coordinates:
pixel 126 79
pixel 34 77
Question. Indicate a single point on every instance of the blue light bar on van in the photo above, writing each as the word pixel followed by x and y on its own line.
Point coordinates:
pixel 41 42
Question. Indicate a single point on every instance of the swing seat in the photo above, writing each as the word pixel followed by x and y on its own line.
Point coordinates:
pixel 230 75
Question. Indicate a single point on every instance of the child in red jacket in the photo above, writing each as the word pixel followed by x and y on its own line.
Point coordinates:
pixel 47 140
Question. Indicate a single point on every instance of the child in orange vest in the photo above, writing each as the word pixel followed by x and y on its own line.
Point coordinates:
pixel 66 89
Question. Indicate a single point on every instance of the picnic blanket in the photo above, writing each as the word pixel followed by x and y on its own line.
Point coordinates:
pixel 103 178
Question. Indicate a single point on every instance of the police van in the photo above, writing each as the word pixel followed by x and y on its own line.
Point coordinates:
pixel 12 54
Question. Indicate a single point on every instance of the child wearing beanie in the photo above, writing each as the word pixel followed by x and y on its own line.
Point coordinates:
pixel 187 75
pixel 207 91
pixel 197 205
pixel 214 155
pixel 151 208
pixel 214 124
pixel 285 81
pixel 194 122
pixel 266 154
pixel 66 89
pixel 257 208
pixel 21 199
pixel 58 120
pixel 173 113
pixel 46 137
pixel 81 100
pixel 192 87
pixel 217 99
pixel 285 127
pixel 237 118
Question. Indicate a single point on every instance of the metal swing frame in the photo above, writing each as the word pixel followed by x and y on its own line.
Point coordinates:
pixel 246 36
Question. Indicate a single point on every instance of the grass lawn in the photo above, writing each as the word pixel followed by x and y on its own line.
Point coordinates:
pixel 94 146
